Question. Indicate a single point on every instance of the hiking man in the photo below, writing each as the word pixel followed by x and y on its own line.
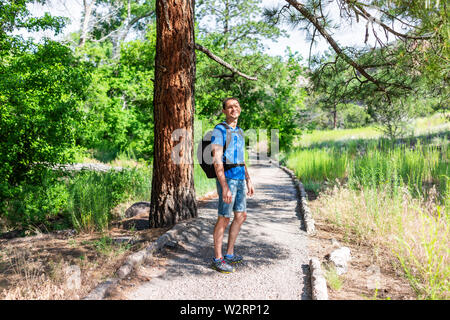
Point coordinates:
pixel 232 177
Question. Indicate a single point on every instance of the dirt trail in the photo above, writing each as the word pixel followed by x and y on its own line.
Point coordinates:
pixel 272 241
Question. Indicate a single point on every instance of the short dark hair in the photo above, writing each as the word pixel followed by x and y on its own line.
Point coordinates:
pixel 224 103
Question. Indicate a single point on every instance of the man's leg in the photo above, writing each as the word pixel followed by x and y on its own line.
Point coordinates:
pixel 240 214
pixel 219 231
pixel 239 218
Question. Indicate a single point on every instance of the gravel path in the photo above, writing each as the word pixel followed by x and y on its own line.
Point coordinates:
pixel 272 241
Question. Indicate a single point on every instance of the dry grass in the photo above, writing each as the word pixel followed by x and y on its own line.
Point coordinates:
pixel 360 282
pixel 35 268
pixel 33 283
pixel 415 232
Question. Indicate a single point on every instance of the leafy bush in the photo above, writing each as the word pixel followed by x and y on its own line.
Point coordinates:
pixel 41 93
pixel 120 100
pixel 354 116
pixel 83 201
pixel 38 206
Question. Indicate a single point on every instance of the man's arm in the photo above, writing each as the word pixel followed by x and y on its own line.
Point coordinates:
pixel 220 173
pixel 250 188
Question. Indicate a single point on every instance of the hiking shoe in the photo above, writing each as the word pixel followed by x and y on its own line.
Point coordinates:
pixel 235 258
pixel 222 266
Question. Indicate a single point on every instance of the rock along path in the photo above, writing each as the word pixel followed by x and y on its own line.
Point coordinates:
pixel 272 241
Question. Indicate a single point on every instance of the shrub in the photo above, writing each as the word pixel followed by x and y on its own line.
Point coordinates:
pixel 41 94
pixel 83 201
pixel 94 194
pixel 37 206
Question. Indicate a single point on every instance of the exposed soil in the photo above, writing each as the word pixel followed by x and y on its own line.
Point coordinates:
pixel 32 267
pixel 29 263
pixel 138 275
pixel 368 269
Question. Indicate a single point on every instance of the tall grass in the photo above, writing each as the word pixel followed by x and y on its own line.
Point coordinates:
pixel 375 164
pixel 202 183
pixel 319 136
pixel 392 195
pixel 415 231
pixel 94 194
pixel 418 168
pixel 421 126
pixel 318 164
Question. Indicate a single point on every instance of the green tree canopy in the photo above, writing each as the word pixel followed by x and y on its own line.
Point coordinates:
pixel 42 87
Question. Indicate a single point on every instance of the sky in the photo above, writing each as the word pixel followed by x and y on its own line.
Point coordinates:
pixel 297 41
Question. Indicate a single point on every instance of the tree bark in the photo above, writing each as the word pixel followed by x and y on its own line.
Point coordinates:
pixel 173 194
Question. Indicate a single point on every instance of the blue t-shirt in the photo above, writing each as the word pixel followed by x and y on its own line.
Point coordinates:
pixel 234 152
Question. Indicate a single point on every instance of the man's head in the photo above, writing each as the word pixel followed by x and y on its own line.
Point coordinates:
pixel 231 108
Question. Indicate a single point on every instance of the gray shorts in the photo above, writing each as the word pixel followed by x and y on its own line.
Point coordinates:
pixel 238 201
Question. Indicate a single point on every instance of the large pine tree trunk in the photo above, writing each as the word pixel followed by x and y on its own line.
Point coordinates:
pixel 173 194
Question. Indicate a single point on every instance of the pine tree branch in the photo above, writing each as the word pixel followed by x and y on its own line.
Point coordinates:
pixel 311 18
pixel 223 63
pixel 358 8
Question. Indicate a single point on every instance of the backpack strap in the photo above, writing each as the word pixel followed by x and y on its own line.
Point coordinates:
pixel 228 129
pixel 227 142
pixel 228 135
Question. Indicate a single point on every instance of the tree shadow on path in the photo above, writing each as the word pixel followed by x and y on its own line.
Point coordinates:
pixel 188 260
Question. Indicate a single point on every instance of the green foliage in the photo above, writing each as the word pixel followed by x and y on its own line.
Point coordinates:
pixel 93 195
pixel 120 101
pixel 375 164
pixel 418 169
pixel 42 87
pixel 334 281
pixel 429 276
pixel 41 93
pixel 353 115
pixel 316 165
pixel 14 15
pixel 55 100
pixel 202 183
pixel 82 200
pixel 407 66
pixel 272 102
pixel 430 58
pixel 336 90
pixel 37 206
pixel 237 25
